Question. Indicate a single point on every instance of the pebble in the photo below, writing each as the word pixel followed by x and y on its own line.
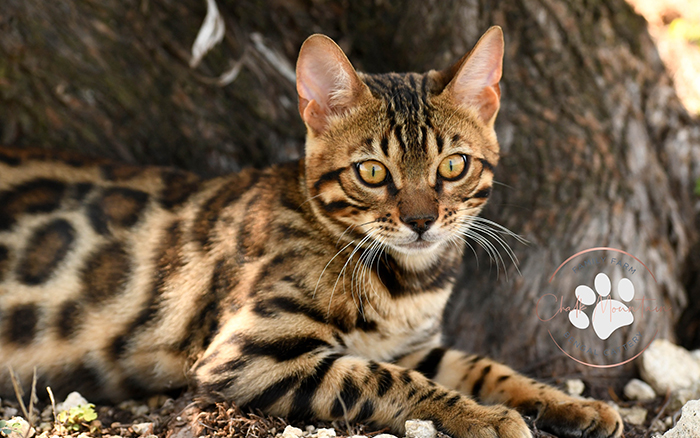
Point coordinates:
pixel 9 412
pixel 138 409
pixel 73 400
pixel 324 433
pixel 574 386
pixel 635 415
pixel 292 432
pixel 385 435
pixel 666 366
pixel 639 390
pixel 682 396
pixel 658 426
pixel 142 428
pixel 420 429
pixel 689 423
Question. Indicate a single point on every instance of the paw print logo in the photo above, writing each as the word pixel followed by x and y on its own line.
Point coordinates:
pixel 609 314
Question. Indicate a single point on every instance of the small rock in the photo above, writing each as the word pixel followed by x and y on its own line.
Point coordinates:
pixel 9 412
pixel 639 390
pixel 574 386
pixel 359 436
pixel 385 435
pixel 682 396
pixel 45 426
pixel 73 400
pixel 420 429
pixel 292 432
pixel 658 426
pixel 157 401
pixel 139 409
pixel 689 423
pixel 20 427
pixel 310 429
pixel 696 354
pixel 142 428
pixel 666 366
pixel 634 415
pixel 324 433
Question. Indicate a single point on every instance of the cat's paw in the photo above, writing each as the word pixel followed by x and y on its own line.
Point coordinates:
pixel 494 422
pixel 580 419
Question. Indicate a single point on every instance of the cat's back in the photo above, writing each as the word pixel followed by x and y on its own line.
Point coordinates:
pixel 112 277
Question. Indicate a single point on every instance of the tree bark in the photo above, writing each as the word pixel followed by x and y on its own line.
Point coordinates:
pixel 596 148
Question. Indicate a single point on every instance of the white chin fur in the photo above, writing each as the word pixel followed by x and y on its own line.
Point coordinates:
pixel 418 258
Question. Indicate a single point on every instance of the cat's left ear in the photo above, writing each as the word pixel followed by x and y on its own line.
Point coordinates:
pixel 475 77
pixel 326 81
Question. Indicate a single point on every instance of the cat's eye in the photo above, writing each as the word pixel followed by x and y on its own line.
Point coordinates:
pixel 372 172
pixel 453 167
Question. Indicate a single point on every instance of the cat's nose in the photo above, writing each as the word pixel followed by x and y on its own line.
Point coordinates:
pixel 420 224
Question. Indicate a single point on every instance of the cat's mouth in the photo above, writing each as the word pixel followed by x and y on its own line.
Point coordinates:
pixel 417 244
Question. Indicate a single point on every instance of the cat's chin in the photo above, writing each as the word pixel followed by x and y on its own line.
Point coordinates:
pixel 417 255
pixel 417 245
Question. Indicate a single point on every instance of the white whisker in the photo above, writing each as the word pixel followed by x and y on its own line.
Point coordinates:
pixel 326 267
pixel 342 271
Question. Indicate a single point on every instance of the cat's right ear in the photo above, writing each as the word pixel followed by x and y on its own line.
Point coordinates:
pixel 326 82
pixel 475 78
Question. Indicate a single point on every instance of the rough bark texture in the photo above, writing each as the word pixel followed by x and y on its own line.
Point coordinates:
pixel 597 150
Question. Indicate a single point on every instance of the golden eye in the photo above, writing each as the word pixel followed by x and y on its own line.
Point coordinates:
pixel 453 167
pixel 372 172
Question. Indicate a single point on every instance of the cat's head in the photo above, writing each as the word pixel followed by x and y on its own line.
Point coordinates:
pixel 402 159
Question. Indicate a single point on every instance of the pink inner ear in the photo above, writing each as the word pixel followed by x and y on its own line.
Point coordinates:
pixel 488 103
pixel 326 81
pixel 317 80
pixel 476 83
pixel 313 115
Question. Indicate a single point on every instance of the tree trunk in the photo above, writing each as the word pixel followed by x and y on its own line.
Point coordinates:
pixel 596 149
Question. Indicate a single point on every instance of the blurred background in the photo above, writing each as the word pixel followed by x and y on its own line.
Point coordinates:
pixel 599 124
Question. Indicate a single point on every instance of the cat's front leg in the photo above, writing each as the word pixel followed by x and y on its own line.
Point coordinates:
pixel 304 377
pixel 491 382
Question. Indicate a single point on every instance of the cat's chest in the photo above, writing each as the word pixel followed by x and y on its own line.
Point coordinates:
pixel 403 326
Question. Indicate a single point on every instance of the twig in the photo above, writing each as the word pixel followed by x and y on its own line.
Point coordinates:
pixel 32 396
pixel 53 404
pixel 667 400
pixel 613 396
pixel 19 393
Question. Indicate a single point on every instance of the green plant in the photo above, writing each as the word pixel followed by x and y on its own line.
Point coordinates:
pixel 77 416
pixel 686 29
pixel 7 427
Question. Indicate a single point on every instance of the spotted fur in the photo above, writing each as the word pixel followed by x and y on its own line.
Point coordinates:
pixel 299 289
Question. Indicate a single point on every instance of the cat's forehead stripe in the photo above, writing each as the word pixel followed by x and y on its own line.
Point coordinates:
pixel 408 111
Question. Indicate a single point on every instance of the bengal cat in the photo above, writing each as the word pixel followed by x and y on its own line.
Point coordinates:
pixel 311 290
